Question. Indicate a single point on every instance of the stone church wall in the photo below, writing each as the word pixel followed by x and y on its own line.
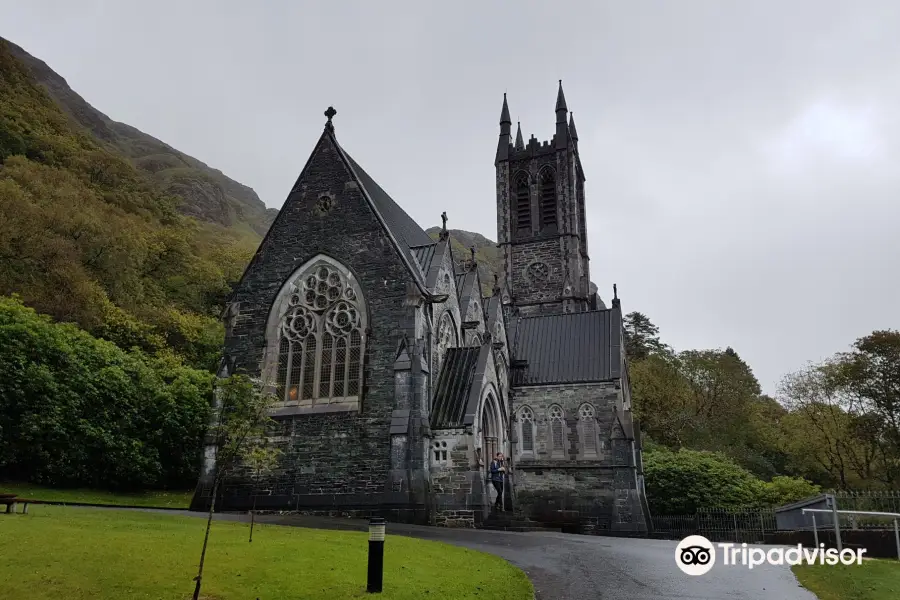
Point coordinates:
pixel 593 492
pixel 526 289
pixel 331 460
pixel 457 489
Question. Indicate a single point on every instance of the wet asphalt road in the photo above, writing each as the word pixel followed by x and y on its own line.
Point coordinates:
pixel 575 567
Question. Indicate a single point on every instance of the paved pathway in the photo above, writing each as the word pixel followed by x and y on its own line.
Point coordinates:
pixel 576 567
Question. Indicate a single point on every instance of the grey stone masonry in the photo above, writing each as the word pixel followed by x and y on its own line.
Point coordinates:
pixel 335 460
pixel 594 484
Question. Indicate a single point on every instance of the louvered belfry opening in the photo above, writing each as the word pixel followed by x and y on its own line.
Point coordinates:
pixel 548 199
pixel 523 204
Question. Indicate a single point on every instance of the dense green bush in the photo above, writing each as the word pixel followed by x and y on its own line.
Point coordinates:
pixel 76 410
pixel 683 482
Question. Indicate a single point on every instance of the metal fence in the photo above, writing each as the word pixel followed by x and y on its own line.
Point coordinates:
pixel 718 525
pixel 873 501
pixel 751 525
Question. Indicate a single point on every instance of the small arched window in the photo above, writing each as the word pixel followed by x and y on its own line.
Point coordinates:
pixel 548 199
pixel 526 430
pixel 557 430
pixel 320 336
pixel 446 338
pixel 523 203
pixel 588 424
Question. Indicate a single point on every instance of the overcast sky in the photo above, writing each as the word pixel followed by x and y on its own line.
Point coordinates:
pixel 742 158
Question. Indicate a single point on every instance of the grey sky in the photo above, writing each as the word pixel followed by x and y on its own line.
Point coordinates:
pixel 741 157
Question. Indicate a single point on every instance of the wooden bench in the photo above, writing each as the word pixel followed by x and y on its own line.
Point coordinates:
pixel 12 504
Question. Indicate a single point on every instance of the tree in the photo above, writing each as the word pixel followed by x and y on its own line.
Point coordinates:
pixel 260 459
pixel 240 425
pixel 822 418
pixel 642 337
pixel 684 481
pixel 662 400
pixel 868 377
pixel 75 410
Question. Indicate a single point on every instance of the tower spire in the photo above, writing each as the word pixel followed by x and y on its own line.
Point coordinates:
pixel 561 102
pixel 572 131
pixel 520 144
pixel 504 114
pixel 505 141
pixel 562 135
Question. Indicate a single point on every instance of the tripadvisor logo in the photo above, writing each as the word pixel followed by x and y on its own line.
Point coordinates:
pixel 696 555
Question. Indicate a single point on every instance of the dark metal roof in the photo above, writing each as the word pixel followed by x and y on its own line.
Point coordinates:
pixel 451 394
pixel 424 255
pixel 401 224
pixel 566 348
pixel 460 278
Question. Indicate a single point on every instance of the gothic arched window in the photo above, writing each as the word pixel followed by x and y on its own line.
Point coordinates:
pixel 548 198
pixel 526 430
pixel 557 430
pixel 320 336
pixel 523 203
pixel 446 338
pixel 588 424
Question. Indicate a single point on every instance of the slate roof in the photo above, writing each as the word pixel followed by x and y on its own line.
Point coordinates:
pixel 401 226
pixel 567 348
pixel 424 256
pixel 460 278
pixel 451 394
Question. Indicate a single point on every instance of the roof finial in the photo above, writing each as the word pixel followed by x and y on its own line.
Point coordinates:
pixel 520 144
pixel 615 292
pixel 330 113
pixel 444 233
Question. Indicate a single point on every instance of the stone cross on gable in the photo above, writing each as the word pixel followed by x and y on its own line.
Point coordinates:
pixel 330 114
pixel 444 233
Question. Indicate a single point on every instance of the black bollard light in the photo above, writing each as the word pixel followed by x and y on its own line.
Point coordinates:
pixel 376 555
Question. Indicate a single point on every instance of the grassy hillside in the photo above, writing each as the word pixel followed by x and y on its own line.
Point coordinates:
pixel 86 236
pixel 202 191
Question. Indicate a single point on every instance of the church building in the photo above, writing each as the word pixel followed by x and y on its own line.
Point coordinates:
pixel 397 378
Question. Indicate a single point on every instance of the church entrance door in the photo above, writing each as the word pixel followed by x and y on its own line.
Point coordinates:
pixel 490 445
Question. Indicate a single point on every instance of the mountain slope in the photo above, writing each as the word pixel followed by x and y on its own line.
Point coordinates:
pixel 87 237
pixel 204 192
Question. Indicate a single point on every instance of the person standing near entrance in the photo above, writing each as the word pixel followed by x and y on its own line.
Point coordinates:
pixel 498 470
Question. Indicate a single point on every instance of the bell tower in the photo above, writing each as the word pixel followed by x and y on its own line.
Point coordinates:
pixel 541 219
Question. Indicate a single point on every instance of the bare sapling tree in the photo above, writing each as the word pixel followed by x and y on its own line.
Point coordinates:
pixel 241 418
pixel 260 459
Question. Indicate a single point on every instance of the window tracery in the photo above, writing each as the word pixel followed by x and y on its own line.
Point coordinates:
pixel 526 430
pixel 321 337
pixel 446 338
pixel 557 430
pixel 588 430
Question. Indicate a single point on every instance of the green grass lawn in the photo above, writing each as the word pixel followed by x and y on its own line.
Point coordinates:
pixel 79 553
pixel 177 499
pixel 872 580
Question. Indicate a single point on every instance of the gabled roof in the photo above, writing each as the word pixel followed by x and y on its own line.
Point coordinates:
pixel 567 348
pixel 451 394
pixel 401 228
pixel 404 228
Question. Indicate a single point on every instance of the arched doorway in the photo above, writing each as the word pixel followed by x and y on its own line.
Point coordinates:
pixel 490 430
pixel 492 440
